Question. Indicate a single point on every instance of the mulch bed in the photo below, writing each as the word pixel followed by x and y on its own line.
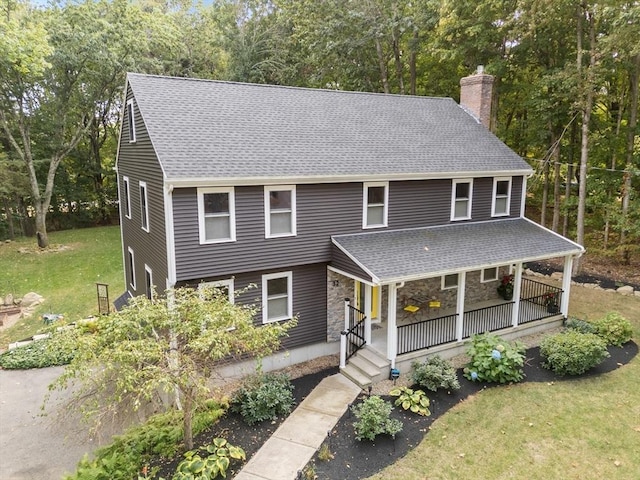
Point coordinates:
pixel 354 460
pixel 548 267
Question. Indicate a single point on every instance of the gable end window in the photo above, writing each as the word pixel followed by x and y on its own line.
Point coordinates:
pixel 280 211
pixel 131 121
pixel 277 301
pixel 216 215
pixel 375 203
pixel 126 197
pixel 450 281
pixel 144 207
pixel 501 203
pixel 461 195
pixel 132 268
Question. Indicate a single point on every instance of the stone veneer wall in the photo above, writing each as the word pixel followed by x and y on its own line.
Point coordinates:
pixel 339 287
pixel 431 288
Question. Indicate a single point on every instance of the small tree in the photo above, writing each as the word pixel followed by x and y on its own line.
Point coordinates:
pixel 170 344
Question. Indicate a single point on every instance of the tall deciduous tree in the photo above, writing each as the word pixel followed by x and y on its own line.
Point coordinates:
pixel 171 344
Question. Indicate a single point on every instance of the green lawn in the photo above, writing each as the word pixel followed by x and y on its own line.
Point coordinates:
pixel 65 275
pixel 574 429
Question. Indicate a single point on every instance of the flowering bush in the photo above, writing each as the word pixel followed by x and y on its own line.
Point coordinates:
pixel 494 360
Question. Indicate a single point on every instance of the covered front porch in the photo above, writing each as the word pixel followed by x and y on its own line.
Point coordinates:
pixel 404 310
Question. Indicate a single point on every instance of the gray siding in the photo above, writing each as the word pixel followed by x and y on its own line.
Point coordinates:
pixel 516 196
pixel 323 210
pixel 138 162
pixel 309 300
pixel 342 262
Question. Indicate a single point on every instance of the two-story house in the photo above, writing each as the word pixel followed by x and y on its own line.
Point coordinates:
pixel 380 221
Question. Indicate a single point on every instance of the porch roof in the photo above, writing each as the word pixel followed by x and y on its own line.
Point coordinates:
pixel 404 255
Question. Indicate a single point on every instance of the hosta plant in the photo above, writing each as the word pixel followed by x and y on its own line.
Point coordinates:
pixel 414 400
pixel 195 467
pixel 494 360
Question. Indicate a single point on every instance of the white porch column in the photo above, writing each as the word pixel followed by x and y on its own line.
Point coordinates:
pixel 566 285
pixel 462 277
pixel 392 331
pixel 517 288
pixel 367 312
pixel 343 335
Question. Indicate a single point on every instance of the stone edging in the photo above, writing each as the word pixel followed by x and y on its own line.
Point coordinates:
pixel 626 290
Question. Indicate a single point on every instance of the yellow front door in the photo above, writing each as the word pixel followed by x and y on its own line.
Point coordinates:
pixel 375 299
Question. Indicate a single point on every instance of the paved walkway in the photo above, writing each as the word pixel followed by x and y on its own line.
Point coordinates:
pixel 293 444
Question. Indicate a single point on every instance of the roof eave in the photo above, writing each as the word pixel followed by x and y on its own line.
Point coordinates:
pixel 187 182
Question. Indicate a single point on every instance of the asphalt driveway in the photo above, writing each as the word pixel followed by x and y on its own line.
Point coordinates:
pixel 33 446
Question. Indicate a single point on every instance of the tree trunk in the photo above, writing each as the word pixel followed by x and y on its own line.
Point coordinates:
pixel 412 62
pixel 634 79
pixel 555 157
pixel 586 118
pixel 545 194
pixel 187 414
pixel 384 76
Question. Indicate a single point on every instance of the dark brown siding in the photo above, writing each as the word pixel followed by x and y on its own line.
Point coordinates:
pixel 309 300
pixel 322 211
pixel 138 162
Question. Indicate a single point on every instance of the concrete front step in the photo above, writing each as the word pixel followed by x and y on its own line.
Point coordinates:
pixel 366 368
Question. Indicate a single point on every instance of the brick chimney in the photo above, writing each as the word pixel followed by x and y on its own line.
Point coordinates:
pixel 476 95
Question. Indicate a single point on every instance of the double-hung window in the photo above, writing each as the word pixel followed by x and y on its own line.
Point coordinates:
pixel 132 268
pixel 280 211
pixel 375 204
pixel 225 286
pixel 144 207
pixel 461 195
pixel 126 197
pixel 501 203
pixel 148 281
pixel 277 301
pixel 216 215
pixel 131 122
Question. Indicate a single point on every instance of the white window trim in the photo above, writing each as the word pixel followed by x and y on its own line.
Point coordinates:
pixel 443 287
pixel 365 204
pixel 494 197
pixel 132 266
pixel 469 200
pixel 131 125
pixel 267 210
pixel 232 214
pixel 484 278
pixel 144 213
pixel 127 187
pixel 147 270
pixel 227 282
pixel 265 298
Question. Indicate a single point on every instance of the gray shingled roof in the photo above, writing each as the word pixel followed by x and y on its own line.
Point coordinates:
pixel 223 130
pixel 393 256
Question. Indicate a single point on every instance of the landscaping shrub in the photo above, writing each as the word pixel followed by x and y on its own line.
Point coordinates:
pixel 373 416
pixel 126 455
pixel 414 400
pixel 572 352
pixel 614 329
pixel 46 352
pixel 494 360
pixel 264 397
pixel 435 373
pixel 581 326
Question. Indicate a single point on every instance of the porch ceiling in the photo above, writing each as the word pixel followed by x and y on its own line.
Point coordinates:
pixel 403 255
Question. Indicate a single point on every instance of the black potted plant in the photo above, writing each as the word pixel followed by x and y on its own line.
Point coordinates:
pixel 505 289
pixel 551 301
